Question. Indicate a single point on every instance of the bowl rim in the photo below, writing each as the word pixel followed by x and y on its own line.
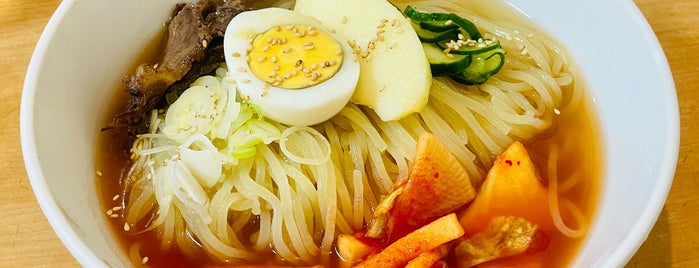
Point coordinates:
pixel 639 232
pixel 52 211
pixel 619 256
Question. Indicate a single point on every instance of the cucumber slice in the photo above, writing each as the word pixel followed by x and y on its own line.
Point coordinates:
pixel 438 26
pixel 427 36
pixel 482 67
pixel 443 65
pixel 467 26
pixel 470 49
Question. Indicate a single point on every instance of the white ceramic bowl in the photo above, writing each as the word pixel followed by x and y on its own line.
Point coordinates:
pixel 88 45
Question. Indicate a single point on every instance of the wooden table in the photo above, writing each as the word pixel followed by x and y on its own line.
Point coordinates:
pixel 27 240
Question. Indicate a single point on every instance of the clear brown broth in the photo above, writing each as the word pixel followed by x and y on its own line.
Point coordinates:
pixel 577 130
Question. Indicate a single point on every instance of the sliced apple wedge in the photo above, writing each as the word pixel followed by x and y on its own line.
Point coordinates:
pixel 394 76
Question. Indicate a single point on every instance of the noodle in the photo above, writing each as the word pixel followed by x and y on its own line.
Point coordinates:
pixel 300 189
pixel 554 200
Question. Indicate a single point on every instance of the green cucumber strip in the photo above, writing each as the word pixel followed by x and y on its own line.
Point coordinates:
pixel 438 26
pixel 415 15
pixel 466 25
pixel 469 49
pixel 443 65
pixel 427 36
pixel 482 67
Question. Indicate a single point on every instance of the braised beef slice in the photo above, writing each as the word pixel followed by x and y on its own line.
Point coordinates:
pixel 194 45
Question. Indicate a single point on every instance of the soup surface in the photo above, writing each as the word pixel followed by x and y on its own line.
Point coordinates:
pixel 574 134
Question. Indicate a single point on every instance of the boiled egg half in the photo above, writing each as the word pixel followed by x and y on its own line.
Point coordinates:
pixel 291 66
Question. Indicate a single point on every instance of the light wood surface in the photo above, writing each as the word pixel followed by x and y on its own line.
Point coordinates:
pixel 27 240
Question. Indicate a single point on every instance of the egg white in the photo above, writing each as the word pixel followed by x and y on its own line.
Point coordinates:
pixel 307 106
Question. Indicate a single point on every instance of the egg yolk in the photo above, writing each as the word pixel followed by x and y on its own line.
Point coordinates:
pixel 294 56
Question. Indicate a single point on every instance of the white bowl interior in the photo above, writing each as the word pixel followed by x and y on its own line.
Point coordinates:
pixel 73 72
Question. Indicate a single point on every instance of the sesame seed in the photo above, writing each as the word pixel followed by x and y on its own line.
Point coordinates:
pixel 382 88
pixel 286 50
pixel 127 227
pixel 380 31
pixel 283 40
pixel 261 59
pixel 461 37
pixel 314 66
pixel 312 33
pixel 393 22
pixel 115 197
pixel 290 27
pixel 275 41
pixel 264 93
pixel 381 38
pixel 448 22
pixel 114 215
pixel 249 47
pixel 265 48
pixel 204 43
pixel 110 212
pixel 273 74
pixel 287 75
pixel 279 29
pixel 274 59
pixel 276 83
pixel 246 81
pixel 450 56
pixel 447 50
pixel 308 43
pixel 294 72
pixel 99 173
pixel 331 30
pixel 381 25
pixel 117 208
pixel 276 67
pixel 524 52
pixel 383 20
pixel 242 70
pixel 269 40
pixel 306 70
pixel 309 47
